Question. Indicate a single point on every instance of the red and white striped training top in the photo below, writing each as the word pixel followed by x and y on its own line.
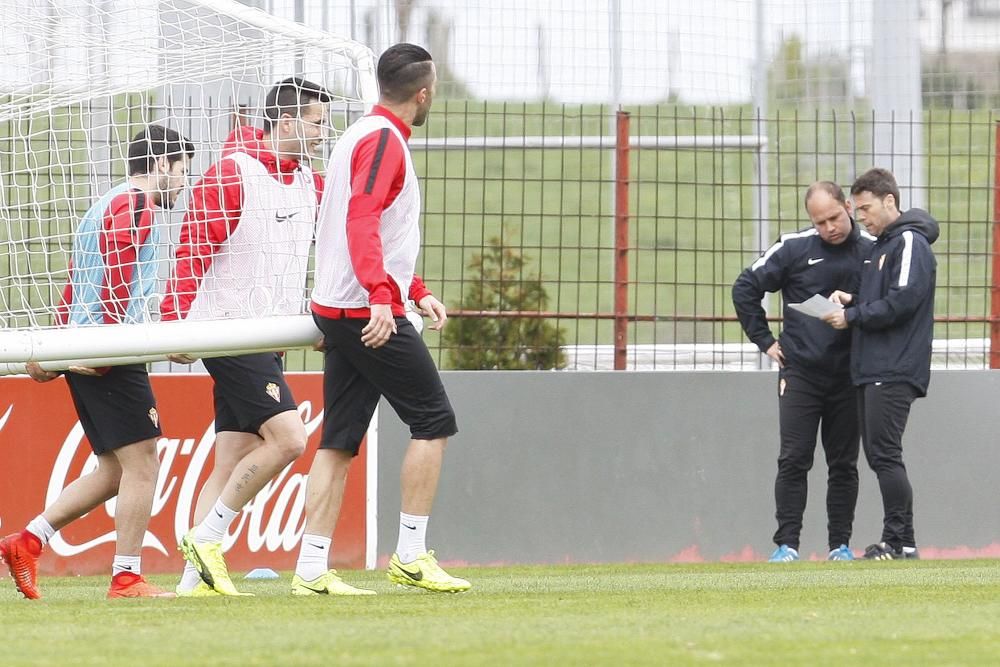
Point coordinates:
pixel 368 233
pixel 244 244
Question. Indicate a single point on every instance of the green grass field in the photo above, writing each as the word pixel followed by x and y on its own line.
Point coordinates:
pixel 914 613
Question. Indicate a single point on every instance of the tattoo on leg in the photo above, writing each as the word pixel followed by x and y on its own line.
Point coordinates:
pixel 247 476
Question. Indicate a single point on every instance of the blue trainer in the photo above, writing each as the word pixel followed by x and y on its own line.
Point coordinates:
pixel 841 553
pixel 783 554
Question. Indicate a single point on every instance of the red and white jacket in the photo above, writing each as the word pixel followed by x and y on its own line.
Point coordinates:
pixel 368 232
pixel 125 227
pixel 245 240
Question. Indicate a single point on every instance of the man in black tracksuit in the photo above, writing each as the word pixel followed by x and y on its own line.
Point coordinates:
pixel 814 386
pixel 892 318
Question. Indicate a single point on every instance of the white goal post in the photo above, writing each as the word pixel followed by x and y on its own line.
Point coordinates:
pixel 78 78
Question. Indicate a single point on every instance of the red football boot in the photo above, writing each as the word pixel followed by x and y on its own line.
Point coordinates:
pixel 128 585
pixel 20 551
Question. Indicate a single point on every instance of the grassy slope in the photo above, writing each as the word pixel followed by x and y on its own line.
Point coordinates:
pixel 692 226
pixel 817 613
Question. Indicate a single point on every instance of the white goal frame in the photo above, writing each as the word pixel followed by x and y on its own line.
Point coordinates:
pixel 57 348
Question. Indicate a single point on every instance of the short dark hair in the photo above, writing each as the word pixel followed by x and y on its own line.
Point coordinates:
pixel 829 187
pixel 878 181
pixel 155 141
pixel 290 96
pixel 403 70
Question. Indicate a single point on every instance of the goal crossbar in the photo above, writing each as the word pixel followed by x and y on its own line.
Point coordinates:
pixel 133 343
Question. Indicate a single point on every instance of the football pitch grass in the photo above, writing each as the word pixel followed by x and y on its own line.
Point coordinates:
pixel 817 613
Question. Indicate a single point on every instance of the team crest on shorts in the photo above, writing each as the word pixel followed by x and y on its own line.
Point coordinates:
pixel 154 417
pixel 273 391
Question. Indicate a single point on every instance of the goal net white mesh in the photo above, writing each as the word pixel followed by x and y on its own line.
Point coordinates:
pixel 78 79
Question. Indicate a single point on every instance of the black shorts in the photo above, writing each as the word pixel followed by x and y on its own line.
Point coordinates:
pixel 355 376
pixel 117 408
pixel 249 390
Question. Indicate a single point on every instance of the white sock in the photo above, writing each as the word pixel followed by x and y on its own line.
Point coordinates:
pixel 214 526
pixel 41 529
pixel 130 564
pixel 189 579
pixel 314 557
pixel 412 537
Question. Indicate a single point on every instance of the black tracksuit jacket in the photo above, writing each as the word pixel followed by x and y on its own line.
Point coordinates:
pixel 801 265
pixel 892 314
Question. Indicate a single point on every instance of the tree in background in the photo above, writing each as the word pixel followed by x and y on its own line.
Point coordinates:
pixel 795 78
pixel 504 343
pixel 427 27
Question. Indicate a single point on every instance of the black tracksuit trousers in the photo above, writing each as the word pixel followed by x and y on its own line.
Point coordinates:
pixel 883 409
pixel 811 401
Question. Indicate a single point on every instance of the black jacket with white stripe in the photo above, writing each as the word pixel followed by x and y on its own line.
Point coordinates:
pixel 892 315
pixel 801 265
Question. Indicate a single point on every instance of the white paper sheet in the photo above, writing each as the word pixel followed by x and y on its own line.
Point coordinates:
pixel 815 306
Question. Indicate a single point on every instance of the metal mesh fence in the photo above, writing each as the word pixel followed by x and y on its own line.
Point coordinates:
pixel 735 107
pixel 706 194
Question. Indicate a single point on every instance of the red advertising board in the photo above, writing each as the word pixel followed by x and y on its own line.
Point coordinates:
pixel 43 449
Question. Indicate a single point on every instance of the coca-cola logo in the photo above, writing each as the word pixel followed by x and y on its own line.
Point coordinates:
pixel 6 416
pixel 3 422
pixel 274 520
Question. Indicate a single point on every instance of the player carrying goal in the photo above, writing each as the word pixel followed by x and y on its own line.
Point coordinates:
pixel 112 279
pixel 243 252
pixel 367 243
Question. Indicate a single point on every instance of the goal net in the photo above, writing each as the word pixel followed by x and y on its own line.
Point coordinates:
pixel 78 79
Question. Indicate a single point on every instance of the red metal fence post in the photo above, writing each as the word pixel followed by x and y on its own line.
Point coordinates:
pixel 621 240
pixel 995 286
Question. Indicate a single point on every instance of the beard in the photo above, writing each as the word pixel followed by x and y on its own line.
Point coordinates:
pixel 421 116
pixel 166 199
